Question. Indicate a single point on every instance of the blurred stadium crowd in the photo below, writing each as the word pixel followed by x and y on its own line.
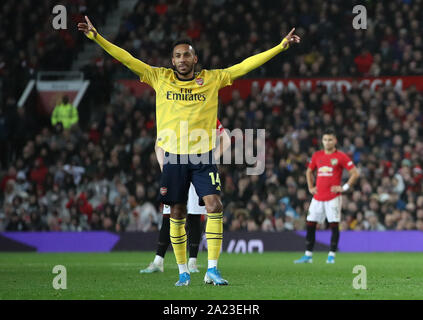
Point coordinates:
pixel 30 44
pixel 103 175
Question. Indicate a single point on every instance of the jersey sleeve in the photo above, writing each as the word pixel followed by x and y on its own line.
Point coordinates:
pixel 219 128
pixel 312 163
pixel 146 73
pixel 347 162
pixel 223 77
pixel 255 61
pixel 150 76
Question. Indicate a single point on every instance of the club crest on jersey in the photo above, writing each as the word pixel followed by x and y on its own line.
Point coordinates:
pixel 163 191
pixel 199 81
pixel 334 162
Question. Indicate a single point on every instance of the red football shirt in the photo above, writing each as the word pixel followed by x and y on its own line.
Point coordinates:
pixel 329 172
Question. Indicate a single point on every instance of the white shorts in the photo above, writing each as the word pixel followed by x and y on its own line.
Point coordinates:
pixel 192 204
pixel 319 210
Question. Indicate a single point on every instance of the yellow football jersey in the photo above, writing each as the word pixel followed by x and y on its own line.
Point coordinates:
pixel 186 111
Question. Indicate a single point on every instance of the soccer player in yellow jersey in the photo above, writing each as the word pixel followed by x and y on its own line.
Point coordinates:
pixel 186 113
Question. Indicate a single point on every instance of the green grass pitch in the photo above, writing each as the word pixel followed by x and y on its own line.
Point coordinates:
pixel 269 276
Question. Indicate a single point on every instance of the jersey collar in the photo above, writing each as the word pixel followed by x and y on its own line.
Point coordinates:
pixel 334 151
pixel 190 79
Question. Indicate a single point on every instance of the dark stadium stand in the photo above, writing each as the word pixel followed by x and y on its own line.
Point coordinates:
pixel 103 174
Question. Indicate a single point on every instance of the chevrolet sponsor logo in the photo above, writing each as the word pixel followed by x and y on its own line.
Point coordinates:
pixel 325 169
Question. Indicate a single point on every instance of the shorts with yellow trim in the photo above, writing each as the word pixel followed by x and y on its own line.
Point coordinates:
pixel 180 170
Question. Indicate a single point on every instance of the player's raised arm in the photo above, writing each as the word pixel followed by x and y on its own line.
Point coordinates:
pixel 257 60
pixel 137 66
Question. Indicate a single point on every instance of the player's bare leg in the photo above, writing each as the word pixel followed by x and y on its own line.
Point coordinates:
pixel 214 235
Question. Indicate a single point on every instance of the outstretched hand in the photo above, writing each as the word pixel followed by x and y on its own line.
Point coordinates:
pixel 290 39
pixel 87 28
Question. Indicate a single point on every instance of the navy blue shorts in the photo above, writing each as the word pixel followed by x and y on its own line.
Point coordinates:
pixel 180 170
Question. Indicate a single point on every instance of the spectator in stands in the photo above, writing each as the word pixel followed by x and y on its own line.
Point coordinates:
pixel 364 61
pixel 16 223
pixel 39 171
pixel 65 113
pixel 11 175
pixel 379 129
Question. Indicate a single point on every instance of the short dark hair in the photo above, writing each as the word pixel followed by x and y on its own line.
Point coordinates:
pixel 65 99
pixel 329 131
pixel 182 41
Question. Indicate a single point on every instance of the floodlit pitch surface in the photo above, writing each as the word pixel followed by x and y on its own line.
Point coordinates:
pixel 270 276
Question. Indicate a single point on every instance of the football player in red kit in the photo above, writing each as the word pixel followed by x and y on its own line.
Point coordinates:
pixel 327 200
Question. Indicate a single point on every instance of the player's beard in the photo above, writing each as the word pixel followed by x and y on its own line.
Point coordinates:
pixel 186 72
